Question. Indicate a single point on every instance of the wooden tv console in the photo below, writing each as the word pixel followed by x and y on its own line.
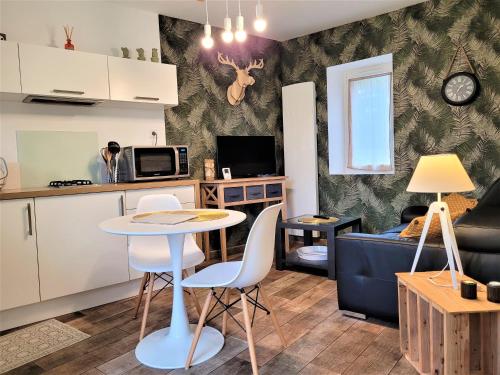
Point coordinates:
pixel 238 192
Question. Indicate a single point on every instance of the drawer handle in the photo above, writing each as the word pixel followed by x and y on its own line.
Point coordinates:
pixel 255 194
pixel 58 91
pixel 30 223
pixel 234 196
pixel 122 206
pixel 147 98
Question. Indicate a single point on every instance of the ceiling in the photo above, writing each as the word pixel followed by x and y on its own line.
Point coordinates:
pixel 287 19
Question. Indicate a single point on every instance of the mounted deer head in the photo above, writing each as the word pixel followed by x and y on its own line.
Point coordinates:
pixel 236 91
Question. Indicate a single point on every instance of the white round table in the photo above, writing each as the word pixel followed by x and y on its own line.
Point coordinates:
pixel 168 348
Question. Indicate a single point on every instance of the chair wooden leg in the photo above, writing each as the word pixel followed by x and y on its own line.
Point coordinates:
pixel 141 292
pixel 224 314
pixel 192 294
pixel 267 304
pixel 146 306
pixel 199 328
pixel 248 328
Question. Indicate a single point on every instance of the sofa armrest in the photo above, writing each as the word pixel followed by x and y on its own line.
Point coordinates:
pixel 366 265
pixel 411 212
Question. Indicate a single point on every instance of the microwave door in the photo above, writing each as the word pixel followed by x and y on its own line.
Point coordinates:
pixel 154 162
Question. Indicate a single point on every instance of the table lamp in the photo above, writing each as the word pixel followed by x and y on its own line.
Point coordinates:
pixel 442 173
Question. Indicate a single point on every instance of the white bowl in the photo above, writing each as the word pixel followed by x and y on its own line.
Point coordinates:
pixel 313 252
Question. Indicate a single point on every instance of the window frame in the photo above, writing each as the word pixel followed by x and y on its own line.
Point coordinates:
pixel 338 111
pixel 368 72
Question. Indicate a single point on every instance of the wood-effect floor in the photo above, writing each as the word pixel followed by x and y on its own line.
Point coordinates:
pixel 320 339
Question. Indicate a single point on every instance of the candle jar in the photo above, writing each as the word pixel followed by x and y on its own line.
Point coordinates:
pixel 209 169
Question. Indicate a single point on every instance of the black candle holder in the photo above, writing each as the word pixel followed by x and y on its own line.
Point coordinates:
pixel 493 291
pixel 468 289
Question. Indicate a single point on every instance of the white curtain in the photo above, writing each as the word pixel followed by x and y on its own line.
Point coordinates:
pixel 369 130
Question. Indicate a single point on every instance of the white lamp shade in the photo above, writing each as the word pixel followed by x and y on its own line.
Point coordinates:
pixel 442 173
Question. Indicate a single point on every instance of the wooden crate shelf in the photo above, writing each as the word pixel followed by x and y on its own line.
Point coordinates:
pixel 442 333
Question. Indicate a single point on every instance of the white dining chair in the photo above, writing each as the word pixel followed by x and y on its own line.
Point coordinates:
pixel 151 254
pixel 245 274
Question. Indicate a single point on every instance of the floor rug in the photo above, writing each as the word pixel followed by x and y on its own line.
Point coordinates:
pixel 28 344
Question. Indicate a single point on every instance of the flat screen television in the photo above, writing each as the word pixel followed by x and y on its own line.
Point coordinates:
pixel 246 156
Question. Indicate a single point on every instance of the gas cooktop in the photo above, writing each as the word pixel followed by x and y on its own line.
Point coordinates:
pixel 69 183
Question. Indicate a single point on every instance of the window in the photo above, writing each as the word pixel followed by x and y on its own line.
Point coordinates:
pixel 360 117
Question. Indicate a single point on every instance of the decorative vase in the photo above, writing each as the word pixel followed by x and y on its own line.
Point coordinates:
pixel 69 45
pixel 209 169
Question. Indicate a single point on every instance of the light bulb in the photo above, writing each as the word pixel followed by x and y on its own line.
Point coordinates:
pixel 207 41
pixel 260 24
pixel 240 34
pixel 227 34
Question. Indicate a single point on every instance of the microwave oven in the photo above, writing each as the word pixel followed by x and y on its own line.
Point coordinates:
pixel 146 163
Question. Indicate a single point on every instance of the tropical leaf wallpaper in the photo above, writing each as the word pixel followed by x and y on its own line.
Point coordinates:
pixel 204 111
pixel 421 39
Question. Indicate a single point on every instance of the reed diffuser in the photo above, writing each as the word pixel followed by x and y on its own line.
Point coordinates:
pixel 69 33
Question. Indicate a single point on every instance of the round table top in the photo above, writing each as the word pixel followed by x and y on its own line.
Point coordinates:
pixel 124 225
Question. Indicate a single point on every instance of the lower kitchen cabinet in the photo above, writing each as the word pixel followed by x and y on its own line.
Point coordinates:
pixel 74 254
pixel 18 254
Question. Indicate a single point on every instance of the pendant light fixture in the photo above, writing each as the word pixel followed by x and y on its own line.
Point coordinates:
pixel 207 41
pixel 240 34
pixel 260 22
pixel 227 34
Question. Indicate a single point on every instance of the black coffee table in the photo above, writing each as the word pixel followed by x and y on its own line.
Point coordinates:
pixel 291 259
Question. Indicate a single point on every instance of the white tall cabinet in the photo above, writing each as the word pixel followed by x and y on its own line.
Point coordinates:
pixel 74 254
pixel 300 149
pixel 18 254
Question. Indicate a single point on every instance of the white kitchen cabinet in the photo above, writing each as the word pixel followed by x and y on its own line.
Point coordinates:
pixel 59 72
pixel 142 81
pixel 18 254
pixel 74 254
pixel 10 79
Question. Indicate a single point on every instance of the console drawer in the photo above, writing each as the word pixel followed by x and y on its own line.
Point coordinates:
pixel 273 191
pixel 255 192
pixel 233 194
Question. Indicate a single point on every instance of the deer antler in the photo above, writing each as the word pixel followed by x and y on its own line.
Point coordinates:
pixel 225 60
pixel 255 65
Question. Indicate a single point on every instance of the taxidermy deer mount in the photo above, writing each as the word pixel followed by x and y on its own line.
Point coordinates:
pixel 236 91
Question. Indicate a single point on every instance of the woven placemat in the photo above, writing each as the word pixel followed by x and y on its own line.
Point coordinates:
pixel 201 215
pixel 317 220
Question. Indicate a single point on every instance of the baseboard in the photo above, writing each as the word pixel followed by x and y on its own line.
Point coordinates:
pixel 36 312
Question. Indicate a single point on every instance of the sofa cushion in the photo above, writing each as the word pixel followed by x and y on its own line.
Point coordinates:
pixel 479 230
pixel 458 206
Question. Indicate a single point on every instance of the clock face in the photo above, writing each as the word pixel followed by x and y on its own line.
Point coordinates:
pixel 460 88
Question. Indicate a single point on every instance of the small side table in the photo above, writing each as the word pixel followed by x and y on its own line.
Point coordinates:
pixel 284 259
pixel 443 333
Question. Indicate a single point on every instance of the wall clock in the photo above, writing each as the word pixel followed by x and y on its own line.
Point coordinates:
pixel 460 88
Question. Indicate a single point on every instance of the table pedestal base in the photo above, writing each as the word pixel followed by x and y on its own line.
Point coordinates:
pixel 159 350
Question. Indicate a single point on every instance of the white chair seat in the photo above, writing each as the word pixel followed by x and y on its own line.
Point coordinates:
pixel 214 276
pixel 153 255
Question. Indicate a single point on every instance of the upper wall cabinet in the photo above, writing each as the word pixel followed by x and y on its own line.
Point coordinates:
pixel 59 72
pixel 142 81
pixel 10 79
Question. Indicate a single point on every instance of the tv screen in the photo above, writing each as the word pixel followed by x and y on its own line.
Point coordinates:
pixel 246 156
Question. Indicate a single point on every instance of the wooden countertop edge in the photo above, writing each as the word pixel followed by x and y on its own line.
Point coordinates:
pixel 104 188
pixel 242 180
